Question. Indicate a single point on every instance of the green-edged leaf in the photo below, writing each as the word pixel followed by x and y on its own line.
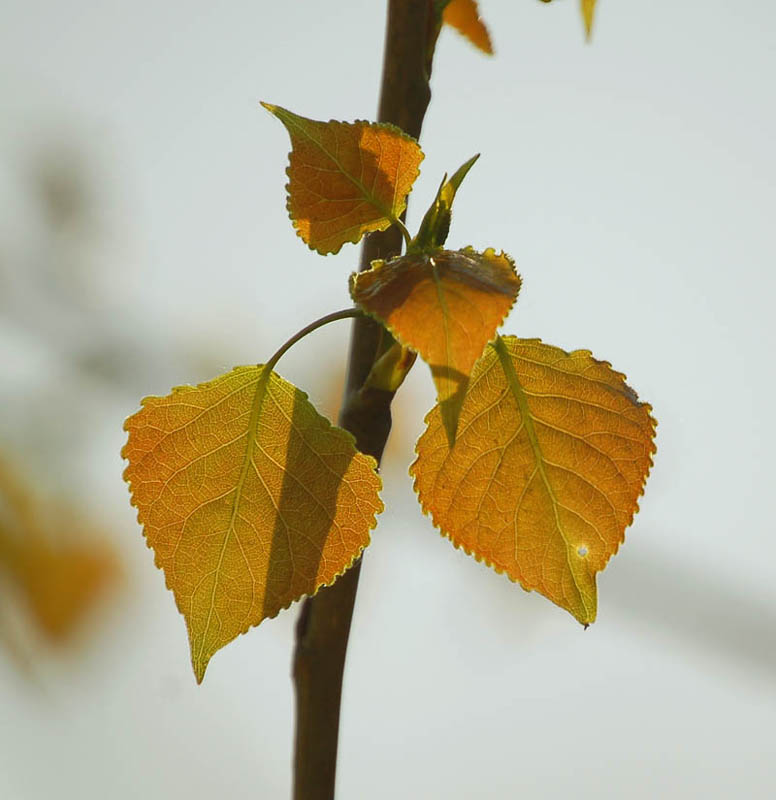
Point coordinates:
pixel 551 456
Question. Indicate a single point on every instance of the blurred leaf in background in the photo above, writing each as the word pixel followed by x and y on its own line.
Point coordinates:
pixel 53 563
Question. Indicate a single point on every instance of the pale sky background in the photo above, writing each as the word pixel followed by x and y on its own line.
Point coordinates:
pixel 633 182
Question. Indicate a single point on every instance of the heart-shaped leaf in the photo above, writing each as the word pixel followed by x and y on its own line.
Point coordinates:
pixel 346 179
pixel 249 498
pixel 552 453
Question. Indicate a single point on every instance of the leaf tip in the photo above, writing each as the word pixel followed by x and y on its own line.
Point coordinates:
pixel 199 666
pixel 464 16
pixel 276 111
pixel 588 14
pixel 589 616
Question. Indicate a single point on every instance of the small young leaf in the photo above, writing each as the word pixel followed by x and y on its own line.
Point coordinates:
pixel 249 498
pixel 464 16
pixel 346 179
pixel 447 305
pixel 552 453
pixel 391 368
pixel 436 221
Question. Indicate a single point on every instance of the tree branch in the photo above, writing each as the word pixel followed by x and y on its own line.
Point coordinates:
pixel 324 623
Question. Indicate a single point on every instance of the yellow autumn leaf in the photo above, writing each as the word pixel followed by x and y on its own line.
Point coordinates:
pixel 588 12
pixel 552 453
pixel 249 498
pixel 464 16
pixel 346 179
pixel 447 305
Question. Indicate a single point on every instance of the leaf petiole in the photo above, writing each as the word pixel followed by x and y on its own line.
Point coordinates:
pixel 404 232
pixel 346 313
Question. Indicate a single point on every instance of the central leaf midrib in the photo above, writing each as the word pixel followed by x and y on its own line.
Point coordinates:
pixel 525 413
pixel 256 405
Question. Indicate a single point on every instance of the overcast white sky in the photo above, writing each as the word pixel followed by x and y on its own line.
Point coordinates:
pixel 632 181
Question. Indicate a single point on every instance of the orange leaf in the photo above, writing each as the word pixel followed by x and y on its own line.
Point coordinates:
pixel 447 305
pixel 464 16
pixel 552 453
pixel 249 498
pixel 346 179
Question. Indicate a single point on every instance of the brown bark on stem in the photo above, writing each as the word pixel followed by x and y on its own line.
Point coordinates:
pixel 324 622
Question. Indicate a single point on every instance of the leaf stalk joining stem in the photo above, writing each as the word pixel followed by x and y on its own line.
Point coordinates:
pixel 346 313
pixel 404 232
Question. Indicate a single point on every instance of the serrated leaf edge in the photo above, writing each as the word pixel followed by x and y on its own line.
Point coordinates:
pixel 183 389
pixel 378 264
pixel 386 223
pixel 482 559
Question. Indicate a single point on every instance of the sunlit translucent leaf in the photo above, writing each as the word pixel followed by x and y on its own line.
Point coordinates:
pixel 436 222
pixel 552 453
pixel 446 305
pixel 464 16
pixel 346 179
pixel 249 498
